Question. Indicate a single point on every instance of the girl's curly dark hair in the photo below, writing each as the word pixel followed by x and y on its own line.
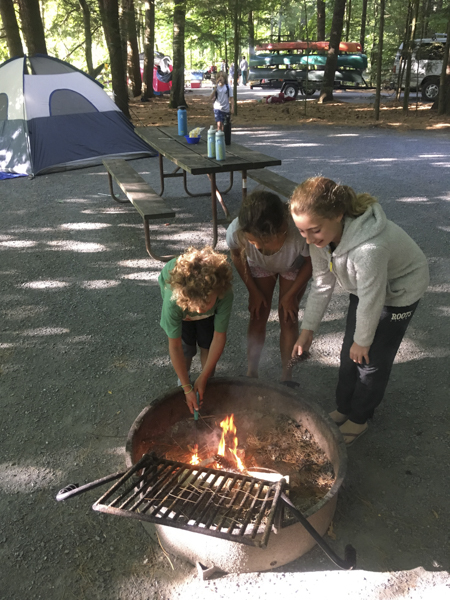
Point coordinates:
pixel 197 274
pixel 263 215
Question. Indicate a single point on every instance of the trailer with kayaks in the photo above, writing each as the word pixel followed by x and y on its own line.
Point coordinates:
pixel 299 66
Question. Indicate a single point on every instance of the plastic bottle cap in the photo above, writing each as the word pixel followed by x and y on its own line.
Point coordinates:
pixel 211 128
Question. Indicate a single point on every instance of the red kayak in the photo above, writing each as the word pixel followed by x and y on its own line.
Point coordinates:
pixel 343 46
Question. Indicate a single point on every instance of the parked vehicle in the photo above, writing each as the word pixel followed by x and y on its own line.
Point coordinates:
pixel 299 67
pixel 426 66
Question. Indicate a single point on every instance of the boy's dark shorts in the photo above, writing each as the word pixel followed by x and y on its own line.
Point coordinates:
pixel 220 116
pixel 196 333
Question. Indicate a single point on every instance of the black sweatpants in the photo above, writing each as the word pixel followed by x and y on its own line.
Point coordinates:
pixel 361 388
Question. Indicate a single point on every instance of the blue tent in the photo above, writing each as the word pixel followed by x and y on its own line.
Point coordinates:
pixel 54 117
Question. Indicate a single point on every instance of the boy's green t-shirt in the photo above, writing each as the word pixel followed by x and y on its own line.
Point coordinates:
pixel 172 315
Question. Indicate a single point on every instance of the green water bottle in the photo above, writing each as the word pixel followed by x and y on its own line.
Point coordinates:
pixel 220 146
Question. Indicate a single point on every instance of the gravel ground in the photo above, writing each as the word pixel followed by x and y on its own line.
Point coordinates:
pixel 82 353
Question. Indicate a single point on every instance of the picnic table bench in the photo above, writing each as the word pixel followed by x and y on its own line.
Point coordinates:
pixel 139 193
pixel 279 184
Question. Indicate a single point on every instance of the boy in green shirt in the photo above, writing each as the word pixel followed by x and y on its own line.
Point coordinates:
pixel 197 299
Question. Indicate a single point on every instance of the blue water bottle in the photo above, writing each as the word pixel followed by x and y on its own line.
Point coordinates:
pixel 211 142
pixel 220 146
pixel 182 121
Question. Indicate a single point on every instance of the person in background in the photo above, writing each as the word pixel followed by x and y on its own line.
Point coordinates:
pixel 244 70
pixel 223 66
pixel 222 95
pixel 265 247
pixel 384 271
pixel 231 74
pixel 197 299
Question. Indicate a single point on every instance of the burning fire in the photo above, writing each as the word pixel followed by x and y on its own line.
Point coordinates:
pixel 195 459
pixel 228 446
pixel 229 441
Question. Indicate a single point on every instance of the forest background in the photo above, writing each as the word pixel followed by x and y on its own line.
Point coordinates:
pixel 105 37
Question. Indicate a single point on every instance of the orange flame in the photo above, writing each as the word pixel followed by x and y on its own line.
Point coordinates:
pixel 195 459
pixel 228 431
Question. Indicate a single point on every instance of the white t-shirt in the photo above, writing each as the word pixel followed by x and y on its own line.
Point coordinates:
pixel 224 93
pixel 244 65
pixel 290 256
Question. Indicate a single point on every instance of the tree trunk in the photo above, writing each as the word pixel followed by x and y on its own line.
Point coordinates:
pixel 149 49
pixel 87 36
pixel 133 66
pixel 237 43
pixel 380 54
pixel 444 86
pixel 362 35
pixel 9 20
pixel 32 26
pixel 326 91
pixel 408 64
pixel 401 66
pixel 177 92
pixel 348 19
pixel 251 34
pixel 320 20
pixel 109 11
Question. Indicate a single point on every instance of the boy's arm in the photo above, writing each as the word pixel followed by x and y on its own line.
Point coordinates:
pixel 256 298
pixel 179 364
pixel 215 352
pixel 213 94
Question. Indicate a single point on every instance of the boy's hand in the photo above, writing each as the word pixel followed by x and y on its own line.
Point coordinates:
pixel 200 387
pixel 191 401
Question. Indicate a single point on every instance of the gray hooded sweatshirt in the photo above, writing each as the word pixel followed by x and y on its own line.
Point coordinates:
pixel 375 260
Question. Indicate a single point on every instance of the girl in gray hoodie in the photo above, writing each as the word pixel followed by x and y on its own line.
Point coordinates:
pixel 352 242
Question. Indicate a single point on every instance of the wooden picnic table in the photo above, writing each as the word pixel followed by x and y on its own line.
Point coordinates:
pixel 193 159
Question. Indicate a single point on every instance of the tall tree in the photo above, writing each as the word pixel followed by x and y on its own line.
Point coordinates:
pixel 362 35
pixel 251 33
pixel 149 49
pixel 32 26
pixel 380 54
pixel 87 36
pixel 326 91
pixel 133 66
pixel 235 7
pixel 179 22
pixel 320 20
pixel 444 87
pixel 109 11
pixel 348 19
pixel 412 36
pixel 9 20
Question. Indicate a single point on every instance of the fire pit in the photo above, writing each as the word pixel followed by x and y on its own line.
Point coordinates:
pixel 248 400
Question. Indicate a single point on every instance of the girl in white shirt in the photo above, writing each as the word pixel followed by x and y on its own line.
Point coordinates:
pixel 265 246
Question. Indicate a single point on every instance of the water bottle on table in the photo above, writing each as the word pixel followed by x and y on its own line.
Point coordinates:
pixel 211 142
pixel 220 146
pixel 182 121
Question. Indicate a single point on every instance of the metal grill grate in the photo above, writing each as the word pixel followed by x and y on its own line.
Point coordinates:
pixel 232 506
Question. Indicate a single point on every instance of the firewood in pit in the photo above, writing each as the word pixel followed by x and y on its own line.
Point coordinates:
pixel 298 359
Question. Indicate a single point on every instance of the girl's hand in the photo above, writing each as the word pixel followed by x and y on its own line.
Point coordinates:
pixel 200 387
pixel 191 401
pixel 359 354
pixel 289 306
pixel 303 343
pixel 256 301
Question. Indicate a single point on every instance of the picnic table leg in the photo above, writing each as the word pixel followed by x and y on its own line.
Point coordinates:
pixel 212 178
pixel 161 173
pixel 148 246
pixel 244 185
pixel 111 191
pixel 219 194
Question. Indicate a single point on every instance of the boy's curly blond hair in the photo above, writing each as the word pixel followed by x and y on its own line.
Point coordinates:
pixel 197 274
